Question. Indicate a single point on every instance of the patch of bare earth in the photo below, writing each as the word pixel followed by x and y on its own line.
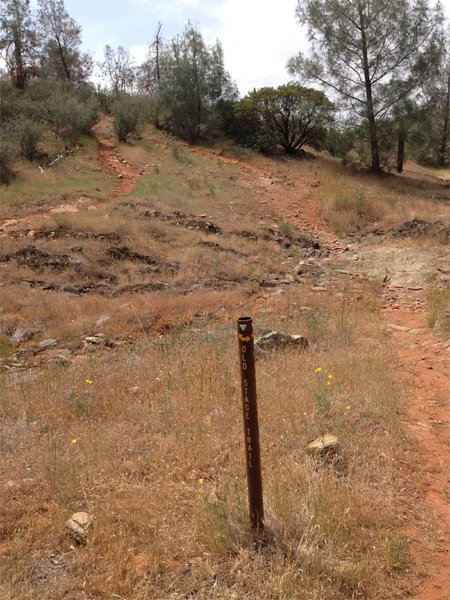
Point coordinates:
pixel 156 286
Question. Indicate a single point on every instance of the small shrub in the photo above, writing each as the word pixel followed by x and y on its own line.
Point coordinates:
pixel 7 158
pixel 398 551
pixel 27 134
pixel 10 99
pixel 69 117
pixel 129 113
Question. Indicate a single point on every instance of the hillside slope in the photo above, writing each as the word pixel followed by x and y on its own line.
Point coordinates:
pixel 120 385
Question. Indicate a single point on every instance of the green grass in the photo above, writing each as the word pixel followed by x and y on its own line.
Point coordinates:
pixel 78 175
pixel 187 185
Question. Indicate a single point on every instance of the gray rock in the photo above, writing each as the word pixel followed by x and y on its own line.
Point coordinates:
pixel 276 339
pixel 48 343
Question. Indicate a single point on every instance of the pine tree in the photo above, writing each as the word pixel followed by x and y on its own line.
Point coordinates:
pixel 370 53
pixel 62 58
pixel 18 41
pixel 193 84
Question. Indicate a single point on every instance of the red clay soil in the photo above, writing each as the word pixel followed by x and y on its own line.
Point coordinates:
pixel 426 368
pixel 427 365
pixel 113 163
pixel 425 360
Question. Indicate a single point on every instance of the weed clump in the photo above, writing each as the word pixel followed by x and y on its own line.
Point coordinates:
pixel 8 155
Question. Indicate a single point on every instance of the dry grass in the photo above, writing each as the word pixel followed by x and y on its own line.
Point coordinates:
pixel 438 314
pixel 153 446
pixel 355 203
pixel 158 461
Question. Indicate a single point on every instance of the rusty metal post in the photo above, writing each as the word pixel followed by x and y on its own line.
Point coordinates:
pixel 250 418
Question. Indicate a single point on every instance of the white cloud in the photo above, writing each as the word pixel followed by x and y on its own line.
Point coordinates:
pixel 258 36
pixel 258 39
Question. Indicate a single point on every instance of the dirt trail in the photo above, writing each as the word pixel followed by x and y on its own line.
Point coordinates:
pixel 425 359
pixel 110 159
pixel 426 362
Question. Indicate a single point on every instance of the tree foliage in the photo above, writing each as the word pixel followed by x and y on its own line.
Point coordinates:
pixel 129 113
pixel 118 69
pixel 289 115
pixel 18 41
pixel 61 58
pixel 194 85
pixel 371 53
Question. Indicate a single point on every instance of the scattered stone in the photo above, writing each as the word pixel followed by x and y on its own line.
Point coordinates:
pixel 276 339
pixel 185 220
pixel 79 525
pixel 289 238
pixel 47 343
pixel 124 253
pixel 31 257
pixel 419 227
pixel 98 339
pixel 316 252
pixel 323 445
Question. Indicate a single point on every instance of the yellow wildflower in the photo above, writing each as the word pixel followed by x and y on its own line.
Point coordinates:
pixel 201 481
pixel 74 441
pixel 348 407
pixel 328 382
pixel 318 370
pixel 330 376
pixel 89 381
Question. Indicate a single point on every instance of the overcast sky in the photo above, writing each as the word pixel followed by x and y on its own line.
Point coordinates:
pixel 258 36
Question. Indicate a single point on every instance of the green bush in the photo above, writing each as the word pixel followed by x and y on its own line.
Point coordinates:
pixel 8 155
pixel 129 113
pixel 69 117
pixel 9 102
pixel 26 134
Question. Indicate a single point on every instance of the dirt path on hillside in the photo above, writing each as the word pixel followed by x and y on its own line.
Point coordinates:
pixel 424 360
pixel 111 161
pixel 423 356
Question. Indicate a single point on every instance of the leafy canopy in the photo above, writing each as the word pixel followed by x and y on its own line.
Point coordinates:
pixel 289 115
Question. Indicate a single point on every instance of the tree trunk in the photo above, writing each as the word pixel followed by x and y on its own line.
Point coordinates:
pixel 442 159
pixel 373 133
pixel 158 52
pixel 400 149
pixel 63 58
pixel 19 71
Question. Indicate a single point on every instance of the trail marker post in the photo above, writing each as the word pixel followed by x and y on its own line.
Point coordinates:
pixel 250 420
